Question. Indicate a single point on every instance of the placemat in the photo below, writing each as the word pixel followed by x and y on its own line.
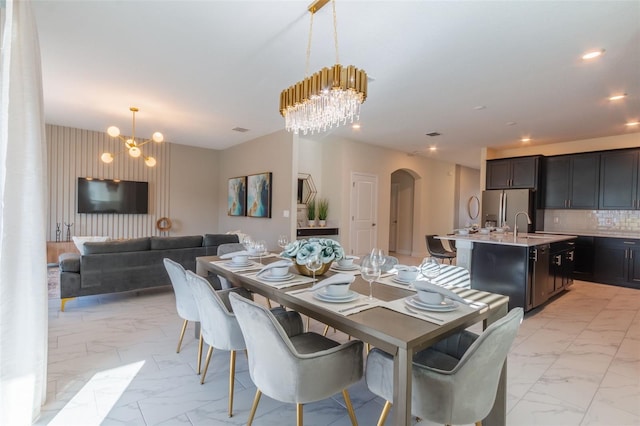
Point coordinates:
pixel 439 318
pixel 296 280
pixel 224 265
pixel 362 303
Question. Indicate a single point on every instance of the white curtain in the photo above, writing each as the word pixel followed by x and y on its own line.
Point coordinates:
pixel 23 274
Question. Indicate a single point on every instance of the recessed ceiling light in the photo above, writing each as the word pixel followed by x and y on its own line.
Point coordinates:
pixel 592 54
pixel 525 139
pixel 633 123
pixel 617 97
pixel 511 123
pixel 355 126
pixel 432 148
pixel 479 107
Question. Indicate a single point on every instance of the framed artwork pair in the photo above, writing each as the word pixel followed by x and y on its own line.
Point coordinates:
pixel 250 195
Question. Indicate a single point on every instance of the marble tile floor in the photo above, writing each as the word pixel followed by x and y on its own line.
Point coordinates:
pixel 112 361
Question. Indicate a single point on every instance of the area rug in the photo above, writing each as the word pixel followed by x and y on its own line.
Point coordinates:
pixel 53 282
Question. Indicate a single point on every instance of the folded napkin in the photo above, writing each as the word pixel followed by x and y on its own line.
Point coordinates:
pixel 235 253
pixel 427 286
pixel 275 265
pixel 335 279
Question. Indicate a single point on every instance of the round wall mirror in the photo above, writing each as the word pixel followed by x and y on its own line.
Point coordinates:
pixel 473 207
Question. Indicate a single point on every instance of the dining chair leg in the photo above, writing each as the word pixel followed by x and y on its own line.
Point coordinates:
pixel 256 400
pixel 308 320
pixel 347 401
pixel 200 345
pixel 232 372
pixel 385 413
pixel 269 303
pixel 479 423
pixel 206 364
pixel 368 347
pixel 326 330
pixel 299 414
pixel 184 328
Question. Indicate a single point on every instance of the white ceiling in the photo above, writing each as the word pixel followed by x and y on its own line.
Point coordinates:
pixel 197 69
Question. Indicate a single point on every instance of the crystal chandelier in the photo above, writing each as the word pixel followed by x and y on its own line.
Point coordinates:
pixel 330 97
pixel 131 145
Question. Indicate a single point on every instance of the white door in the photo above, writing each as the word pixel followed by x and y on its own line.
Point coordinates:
pixel 364 213
pixel 393 218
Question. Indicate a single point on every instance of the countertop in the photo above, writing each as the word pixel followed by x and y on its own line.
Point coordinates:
pixel 523 240
pixel 604 234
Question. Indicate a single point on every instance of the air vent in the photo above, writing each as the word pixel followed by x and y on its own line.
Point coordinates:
pixel 433 134
pixel 240 129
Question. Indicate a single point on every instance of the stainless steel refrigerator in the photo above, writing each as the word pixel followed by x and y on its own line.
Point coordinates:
pixel 500 206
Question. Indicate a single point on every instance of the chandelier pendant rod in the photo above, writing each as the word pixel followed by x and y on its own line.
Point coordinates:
pixel 335 30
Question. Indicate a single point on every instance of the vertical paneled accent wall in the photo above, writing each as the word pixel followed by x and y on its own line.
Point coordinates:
pixel 73 153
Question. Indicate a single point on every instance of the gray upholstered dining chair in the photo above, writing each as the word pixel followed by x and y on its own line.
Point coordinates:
pixel 454 276
pixel 219 327
pixel 298 367
pixel 226 249
pixel 454 381
pixel 185 303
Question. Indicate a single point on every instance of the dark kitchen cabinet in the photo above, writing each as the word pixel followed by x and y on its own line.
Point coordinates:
pixel 513 173
pixel 561 264
pixel 616 261
pixel 619 180
pixel 571 181
pixel 583 258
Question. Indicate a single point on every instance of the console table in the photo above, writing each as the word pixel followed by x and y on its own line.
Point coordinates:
pixel 56 248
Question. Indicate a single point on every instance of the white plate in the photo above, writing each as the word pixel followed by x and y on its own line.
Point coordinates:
pixel 238 265
pixel 345 268
pixel 446 306
pixel 323 296
pixel 397 280
pixel 268 277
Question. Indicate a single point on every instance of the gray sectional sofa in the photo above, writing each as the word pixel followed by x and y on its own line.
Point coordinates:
pixel 134 264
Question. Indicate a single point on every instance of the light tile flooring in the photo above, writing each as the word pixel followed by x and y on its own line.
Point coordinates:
pixel 112 361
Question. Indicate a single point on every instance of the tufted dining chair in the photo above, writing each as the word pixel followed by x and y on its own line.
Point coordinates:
pixel 454 276
pixel 299 367
pixel 219 326
pixel 454 381
pixel 226 249
pixel 185 303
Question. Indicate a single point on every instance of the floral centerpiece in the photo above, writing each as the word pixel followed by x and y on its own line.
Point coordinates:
pixel 300 250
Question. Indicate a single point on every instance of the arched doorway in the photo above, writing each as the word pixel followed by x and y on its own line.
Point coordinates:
pixel 401 212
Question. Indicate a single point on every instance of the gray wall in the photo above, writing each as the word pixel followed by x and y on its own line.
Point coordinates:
pixel 182 185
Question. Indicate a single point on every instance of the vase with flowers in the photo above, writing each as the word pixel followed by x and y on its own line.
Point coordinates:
pixel 301 250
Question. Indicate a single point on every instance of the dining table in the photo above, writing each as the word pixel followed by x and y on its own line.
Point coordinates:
pixel 386 322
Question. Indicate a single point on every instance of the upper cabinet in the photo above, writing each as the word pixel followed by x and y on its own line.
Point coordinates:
pixel 619 180
pixel 513 173
pixel 571 181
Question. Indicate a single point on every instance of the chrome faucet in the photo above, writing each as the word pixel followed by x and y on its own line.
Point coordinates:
pixel 515 223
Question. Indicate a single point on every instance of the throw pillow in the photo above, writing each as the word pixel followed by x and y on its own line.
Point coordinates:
pixel 79 242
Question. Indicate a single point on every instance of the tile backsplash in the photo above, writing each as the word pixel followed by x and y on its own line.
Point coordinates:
pixel 592 220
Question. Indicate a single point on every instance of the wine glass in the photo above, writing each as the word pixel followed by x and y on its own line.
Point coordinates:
pixel 248 242
pixel 370 271
pixel 313 264
pixel 261 248
pixel 430 268
pixel 377 257
pixel 283 240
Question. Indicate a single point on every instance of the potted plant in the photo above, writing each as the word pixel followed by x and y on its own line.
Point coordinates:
pixel 323 211
pixel 311 213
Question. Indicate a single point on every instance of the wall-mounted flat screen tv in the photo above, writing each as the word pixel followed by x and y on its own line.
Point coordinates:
pixel 112 196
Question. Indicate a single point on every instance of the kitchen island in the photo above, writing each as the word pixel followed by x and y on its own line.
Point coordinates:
pixel 529 269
